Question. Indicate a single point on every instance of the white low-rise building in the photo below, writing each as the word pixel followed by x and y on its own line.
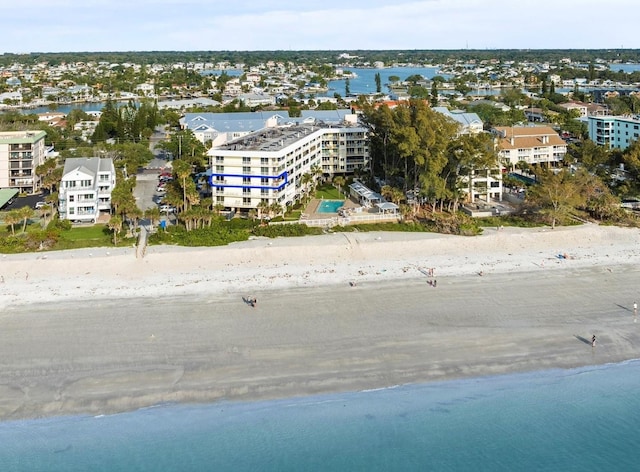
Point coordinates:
pixel 85 188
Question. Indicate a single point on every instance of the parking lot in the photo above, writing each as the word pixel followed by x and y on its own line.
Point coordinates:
pixel 19 202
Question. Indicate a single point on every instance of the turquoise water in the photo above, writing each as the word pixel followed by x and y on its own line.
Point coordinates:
pixel 330 206
pixel 560 420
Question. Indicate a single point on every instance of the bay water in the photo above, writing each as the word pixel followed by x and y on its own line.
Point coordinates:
pixel 560 420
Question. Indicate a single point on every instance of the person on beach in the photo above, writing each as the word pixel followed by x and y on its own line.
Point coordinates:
pixel 593 341
pixel 635 309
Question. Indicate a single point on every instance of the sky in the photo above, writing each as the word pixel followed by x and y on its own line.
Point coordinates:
pixel 341 25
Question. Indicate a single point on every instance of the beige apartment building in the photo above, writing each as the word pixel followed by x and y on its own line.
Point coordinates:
pixel 20 153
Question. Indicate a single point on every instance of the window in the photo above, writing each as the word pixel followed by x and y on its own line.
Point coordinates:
pixel 264 170
pixel 265 160
pixel 246 170
pixel 246 191
pixel 219 169
pixel 246 180
pixel 246 201
pixel 72 198
pixel 246 160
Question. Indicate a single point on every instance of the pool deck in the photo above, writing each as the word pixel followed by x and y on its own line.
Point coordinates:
pixel 311 210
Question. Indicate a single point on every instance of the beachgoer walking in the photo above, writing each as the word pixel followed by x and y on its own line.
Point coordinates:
pixel 593 340
pixel 435 282
pixel 635 309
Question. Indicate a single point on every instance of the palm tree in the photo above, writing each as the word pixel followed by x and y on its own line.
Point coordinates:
pixel 316 171
pixel 45 211
pixel 306 180
pixel 397 196
pixel 182 169
pixel 26 212
pixel 339 181
pixel 153 215
pixel 263 207
pixel 12 218
pixel 387 192
pixel 276 208
pixel 115 225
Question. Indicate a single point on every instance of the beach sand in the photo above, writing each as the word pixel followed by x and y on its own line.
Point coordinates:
pixel 97 331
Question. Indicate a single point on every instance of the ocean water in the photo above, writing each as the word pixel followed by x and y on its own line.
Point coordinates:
pixel 559 420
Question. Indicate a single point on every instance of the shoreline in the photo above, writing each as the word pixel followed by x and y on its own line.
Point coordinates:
pixel 104 333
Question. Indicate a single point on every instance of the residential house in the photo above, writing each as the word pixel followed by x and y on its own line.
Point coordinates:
pixel 535 145
pixel 581 108
pixel 479 184
pixel 85 188
pixel 469 123
pixel 257 99
pixel 21 152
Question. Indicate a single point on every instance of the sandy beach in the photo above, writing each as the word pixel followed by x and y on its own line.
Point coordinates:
pixel 98 331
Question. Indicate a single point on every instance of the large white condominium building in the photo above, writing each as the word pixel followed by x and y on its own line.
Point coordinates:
pixel 269 165
pixel 20 153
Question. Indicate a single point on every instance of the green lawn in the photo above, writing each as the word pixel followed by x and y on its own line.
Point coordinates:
pixel 89 236
pixel 87 232
pixel 329 192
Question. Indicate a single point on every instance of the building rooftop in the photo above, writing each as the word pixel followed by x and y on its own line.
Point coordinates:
pixel 16 137
pixel 270 139
pixel 87 165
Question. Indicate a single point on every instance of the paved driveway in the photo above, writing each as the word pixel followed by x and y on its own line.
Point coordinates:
pixel 145 191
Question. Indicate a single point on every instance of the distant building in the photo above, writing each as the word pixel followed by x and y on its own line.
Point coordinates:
pixel 580 107
pixel 534 145
pixel 220 128
pixel 20 153
pixel 614 131
pixel 469 123
pixel 85 188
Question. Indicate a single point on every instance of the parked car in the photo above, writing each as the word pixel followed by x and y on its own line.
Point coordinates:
pixel 161 189
pixel 40 205
pixel 167 209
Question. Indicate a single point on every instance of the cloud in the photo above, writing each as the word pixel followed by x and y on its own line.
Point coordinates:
pixel 99 25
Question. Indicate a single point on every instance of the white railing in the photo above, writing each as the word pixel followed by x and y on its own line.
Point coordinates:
pixel 341 221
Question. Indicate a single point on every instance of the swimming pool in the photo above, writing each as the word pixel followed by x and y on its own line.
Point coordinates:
pixel 330 206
